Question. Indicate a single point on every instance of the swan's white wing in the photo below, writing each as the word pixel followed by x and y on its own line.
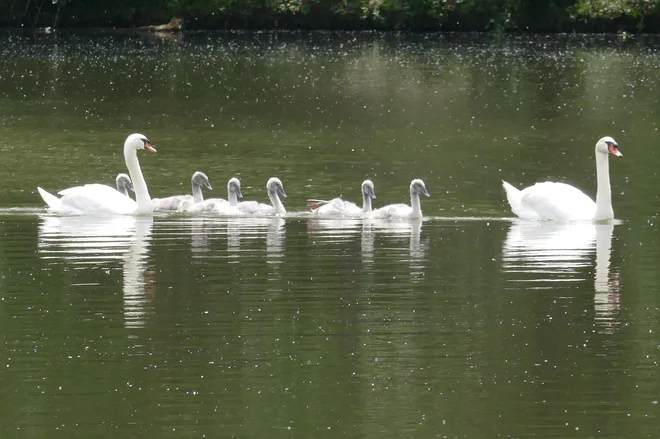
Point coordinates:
pixel 95 199
pixel 558 201
pixel 91 188
pixel 392 211
pixel 513 196
pixel 55 204
pixel 51 200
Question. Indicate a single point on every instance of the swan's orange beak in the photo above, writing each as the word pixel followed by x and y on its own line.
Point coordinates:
pixel 149 148
pixel 614 150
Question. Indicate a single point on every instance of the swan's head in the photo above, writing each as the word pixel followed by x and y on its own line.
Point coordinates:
pixel 200 179
pixel 417 186
pixel 275 187
pixel 234 185
pixel 368 189
pixel 138 141
pixel 608 145
pixel 124 183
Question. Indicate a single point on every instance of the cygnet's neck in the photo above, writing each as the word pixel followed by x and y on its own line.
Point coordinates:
pixel 197 193
pixel 122 188
pixel 276 202
pixel 604 209
pixel 416 204
pixel 232 197
pixel 366 202
pixel 139 185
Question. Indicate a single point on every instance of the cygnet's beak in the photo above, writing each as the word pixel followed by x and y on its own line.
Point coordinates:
pixel 281 192
pixel 425 192
pixel 207 185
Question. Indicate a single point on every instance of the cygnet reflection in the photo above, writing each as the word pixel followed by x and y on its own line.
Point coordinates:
pixel 370 230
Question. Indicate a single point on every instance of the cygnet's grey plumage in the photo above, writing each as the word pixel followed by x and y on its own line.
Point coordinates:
pixel 175 202
pixel 275 190
pixel 414 211
pixel 124 184
pixel 338 207
pixel 219 206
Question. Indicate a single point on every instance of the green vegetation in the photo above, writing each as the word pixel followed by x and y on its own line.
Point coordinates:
pixel 489 15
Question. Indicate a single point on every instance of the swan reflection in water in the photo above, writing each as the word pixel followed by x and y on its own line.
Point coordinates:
pixel 338 230
pixel 84 240
pixel 544 253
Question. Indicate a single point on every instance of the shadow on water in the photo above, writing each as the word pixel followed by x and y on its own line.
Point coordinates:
pixel 542 253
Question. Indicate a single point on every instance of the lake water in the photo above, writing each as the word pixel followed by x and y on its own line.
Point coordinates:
pixel 468 324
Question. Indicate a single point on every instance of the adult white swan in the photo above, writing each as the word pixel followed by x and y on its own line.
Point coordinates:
pixel 124 184
pixel 563 202
pixel 219 206
pixel 414 211
pixel 176 202
pixel 338 207
pixel 99 199
pixel 275 190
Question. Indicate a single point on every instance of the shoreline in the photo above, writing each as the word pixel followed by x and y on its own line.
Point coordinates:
pixel 283 30
pixel 515 17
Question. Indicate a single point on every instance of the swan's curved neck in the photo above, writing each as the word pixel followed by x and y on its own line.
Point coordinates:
pixel 276 202
pixel 416 205
pixel 232 197
pixel 604 193
pixel 366 202
pixel 141 192
pixel 197 193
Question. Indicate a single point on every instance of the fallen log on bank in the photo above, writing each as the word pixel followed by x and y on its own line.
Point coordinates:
pixel 175 25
